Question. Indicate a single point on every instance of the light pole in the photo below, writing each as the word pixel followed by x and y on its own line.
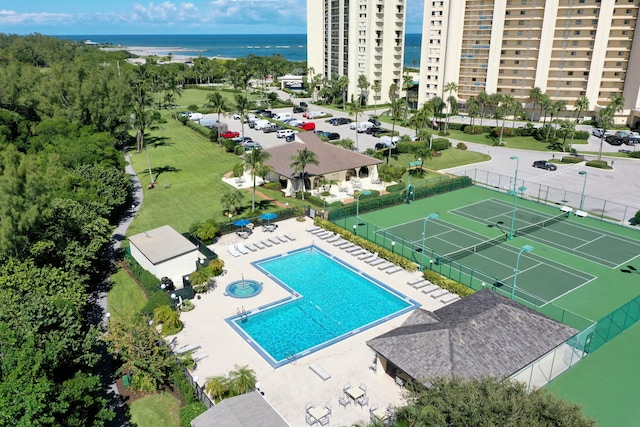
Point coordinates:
pixel 525 248
pixel 393 247
pixel 584 187
pixel 424 235
pixel 366 193
pixel 513 215
pixel 515 179
pixel 355 229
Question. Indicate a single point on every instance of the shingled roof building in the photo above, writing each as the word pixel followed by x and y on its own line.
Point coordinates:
pixel 334 163
pixel 250 409
pixel 484 334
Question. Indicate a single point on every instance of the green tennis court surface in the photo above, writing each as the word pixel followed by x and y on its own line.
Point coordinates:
pixel 570 235
pixel 448 247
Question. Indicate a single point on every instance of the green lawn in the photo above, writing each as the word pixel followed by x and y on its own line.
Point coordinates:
pixel 448 159
pixel 125 296
pixel 199 97
pixel 160 409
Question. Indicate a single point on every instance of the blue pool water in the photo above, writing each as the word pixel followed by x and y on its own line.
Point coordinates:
pixel 330 301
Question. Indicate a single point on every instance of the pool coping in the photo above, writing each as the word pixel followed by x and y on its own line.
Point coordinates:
pixel 232 321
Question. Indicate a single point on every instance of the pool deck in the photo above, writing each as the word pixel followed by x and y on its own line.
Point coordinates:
pixel 290 387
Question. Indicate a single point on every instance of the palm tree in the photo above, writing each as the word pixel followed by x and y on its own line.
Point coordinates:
pixel 363 85
pixel 252 162
pixel 483 100
pixel 219 105
pixel 242 106
pixel 554 109
pixel 398 110
pixel 494 101
pixel 174 87
pixel 300 161
pixel 408 84
pixel 545 105
pixel 343 85
pixel 606 116
pixel 376 87
pixel 567 128
pixel 231 200
pixel 505 107
pixel 355 110
pixel 449 88
pixel 241 380
pixel 582 104
pixel 216 387
pixel 393 92
pixel 473 109
pixel 535 95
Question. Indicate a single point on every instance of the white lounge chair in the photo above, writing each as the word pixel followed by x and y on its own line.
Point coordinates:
pixel 414 281
pixel 438 294
pixel 377 262
pixel 266 243
pixel 334 238
pixel 290 237
pixel 241 248
pixel 393 270
pixel 365 256
pixel 449 298
pixel 341 243
pixel 374 258
pixel 318 231
pixel 233 251
pixel 274 240
pixel 385 265
pixel 251 247
pixel 282 239
pixel 259 245
pixel 358 252
pixel 430 288
pixel 353 249
pixel 421 285
pixel 314 228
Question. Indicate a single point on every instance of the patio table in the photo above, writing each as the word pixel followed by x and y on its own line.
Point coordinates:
pixel 355 393
pixel 319 412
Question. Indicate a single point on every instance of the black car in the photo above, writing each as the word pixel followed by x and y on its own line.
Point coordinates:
pixel 333 136
pixel 272 128
pixel 340 121
pixel 543 164
pixel 381 146
pixel 375 121
pixel 616 140
pixel 298 110
pixel 303 104
pixel 375 131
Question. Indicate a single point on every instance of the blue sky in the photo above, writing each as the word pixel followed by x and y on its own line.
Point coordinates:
pixel 75 17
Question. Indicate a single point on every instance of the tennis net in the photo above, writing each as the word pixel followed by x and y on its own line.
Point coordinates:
pixel 538 225
pixel 461 253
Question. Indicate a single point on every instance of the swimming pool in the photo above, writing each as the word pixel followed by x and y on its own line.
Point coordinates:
pixel 330 301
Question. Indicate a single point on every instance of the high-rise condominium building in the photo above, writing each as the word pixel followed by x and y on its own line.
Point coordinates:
pixel 357 37
pixel 567 48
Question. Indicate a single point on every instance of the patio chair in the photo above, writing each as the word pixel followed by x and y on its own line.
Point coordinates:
pixel 328 406
pixel 310 420
pixel 241 248
pixel 344 401
pixel 364 400
pixel 346 387
pixel 363 387
pixel 324 421
pixel 373 408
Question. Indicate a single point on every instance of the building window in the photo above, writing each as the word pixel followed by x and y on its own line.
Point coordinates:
pixel 576 33
pixel 580 12
pixel 570 73
pixel 573 53
pixel 578 21
pixel 568 83
pixel 516 62
pixel 574 43
pixel 520 22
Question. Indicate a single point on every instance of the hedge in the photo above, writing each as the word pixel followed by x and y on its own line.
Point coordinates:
pixel 150 285
pixel 396 188
pixel 472 130
pixel 581 135
pixel 572 159
pixel 440 144
pixel 600 164
pixel 448 284
pixel 316 201
pixel 635 154
pixel 189 412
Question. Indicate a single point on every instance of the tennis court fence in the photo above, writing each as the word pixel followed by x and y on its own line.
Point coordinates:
pixel 597 208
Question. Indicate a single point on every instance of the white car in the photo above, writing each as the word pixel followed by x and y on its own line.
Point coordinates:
pixel 598 132
pixel 283 133
pixel 236 116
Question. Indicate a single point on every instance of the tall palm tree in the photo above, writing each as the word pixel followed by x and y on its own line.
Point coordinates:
pixel 252 161
pixel 535 95
pixel 393 92
pixel 582 104
pixel 218 103
pixel 408 84
pixel 606 117
pixel 300 161
pixel 173 86
pixel 242 106
pixel 554 110
pixel 494 101
pixel 376 87
pixel 355 110
pixel 505 107
pixel 363 85
pixel 567 129
pixel 343 85
pixel 545 105
pixel 473 109
pixel 241 380
pixel 483 100
pixel 449 88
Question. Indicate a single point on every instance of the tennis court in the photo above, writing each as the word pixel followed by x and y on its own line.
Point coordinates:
pixel 562 232
pixel 490 261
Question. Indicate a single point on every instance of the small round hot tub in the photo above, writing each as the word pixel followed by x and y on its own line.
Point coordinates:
pixel 244 288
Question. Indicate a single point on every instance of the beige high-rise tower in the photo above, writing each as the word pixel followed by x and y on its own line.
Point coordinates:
pixel 357 37
pixel 567 48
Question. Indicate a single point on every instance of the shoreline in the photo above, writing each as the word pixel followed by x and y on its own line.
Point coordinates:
pixel 178 54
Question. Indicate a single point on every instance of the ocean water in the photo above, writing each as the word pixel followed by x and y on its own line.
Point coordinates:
pixel 291 46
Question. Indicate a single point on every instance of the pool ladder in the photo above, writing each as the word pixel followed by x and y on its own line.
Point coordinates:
pixel 242 313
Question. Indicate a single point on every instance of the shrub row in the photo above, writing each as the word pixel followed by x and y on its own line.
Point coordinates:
pixel 316 201
pixel 150 285
pixel 600 164
pixel 572 159
pixel 367 245
pixel 448 284
pixel 273 186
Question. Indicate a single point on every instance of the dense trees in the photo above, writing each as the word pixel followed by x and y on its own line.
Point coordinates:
pixel 486 402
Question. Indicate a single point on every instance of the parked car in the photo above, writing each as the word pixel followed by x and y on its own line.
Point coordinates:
pixel 272 128
pixel 375 131
pixel 236 116
pixel 242 140
pixel 230 134
pixel 615 139
pixel 598 132
pixel 543 164
pixel 337 121
pixel 248 146
pixel 633 139
pixel 381 146
pixel 283 133
pixel 303 104
pixel 375 121
pixel 298 109
pixel 331 136
pixel 307 126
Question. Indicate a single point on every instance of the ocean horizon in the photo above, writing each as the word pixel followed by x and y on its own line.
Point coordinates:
pixel 292 46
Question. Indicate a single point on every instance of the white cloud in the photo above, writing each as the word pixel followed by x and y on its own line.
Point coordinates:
pixel 10 17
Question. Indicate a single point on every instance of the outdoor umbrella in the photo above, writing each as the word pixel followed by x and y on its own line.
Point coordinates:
pixel 268 216
pixel 241 223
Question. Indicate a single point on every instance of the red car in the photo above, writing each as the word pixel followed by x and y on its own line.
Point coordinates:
pixel 230 134
pixel 307 126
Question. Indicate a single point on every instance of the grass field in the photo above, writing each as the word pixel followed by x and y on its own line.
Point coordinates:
pixel 161 409
pixel 125 296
